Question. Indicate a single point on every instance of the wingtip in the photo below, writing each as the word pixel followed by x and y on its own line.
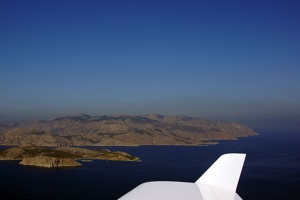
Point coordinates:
pixel 225 172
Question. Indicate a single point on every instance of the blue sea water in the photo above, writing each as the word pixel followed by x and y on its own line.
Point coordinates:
pixel 271 170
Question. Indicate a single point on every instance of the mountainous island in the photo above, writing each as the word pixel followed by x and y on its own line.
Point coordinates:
pixel 120 130
pixel 60 156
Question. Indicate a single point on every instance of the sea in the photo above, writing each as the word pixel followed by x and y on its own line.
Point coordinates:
pixel 271 170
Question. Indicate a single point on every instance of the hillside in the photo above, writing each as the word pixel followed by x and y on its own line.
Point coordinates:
pixel 121 130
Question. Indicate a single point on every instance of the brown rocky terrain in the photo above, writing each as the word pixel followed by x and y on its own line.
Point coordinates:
pixel 49 162
pixel 60 156
pixel 121 130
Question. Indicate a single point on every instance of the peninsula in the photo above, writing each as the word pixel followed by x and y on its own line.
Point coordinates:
pixel 120 130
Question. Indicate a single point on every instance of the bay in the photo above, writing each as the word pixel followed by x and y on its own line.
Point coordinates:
pixel 271 170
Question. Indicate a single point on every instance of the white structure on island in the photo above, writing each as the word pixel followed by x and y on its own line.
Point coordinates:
pixel 219 182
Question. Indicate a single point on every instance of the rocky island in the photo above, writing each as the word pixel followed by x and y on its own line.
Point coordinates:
pixel 60 156
pixel 120 130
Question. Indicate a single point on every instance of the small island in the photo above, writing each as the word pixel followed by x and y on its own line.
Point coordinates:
pixel 60 156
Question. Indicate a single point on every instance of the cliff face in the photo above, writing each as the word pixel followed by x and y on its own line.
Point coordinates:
pixel 123 130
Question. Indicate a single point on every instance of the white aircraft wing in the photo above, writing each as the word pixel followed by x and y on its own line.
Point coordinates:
pixel 219 182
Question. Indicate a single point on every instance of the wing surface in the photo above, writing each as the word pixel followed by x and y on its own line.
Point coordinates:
pixel 219 182
pixel 164 190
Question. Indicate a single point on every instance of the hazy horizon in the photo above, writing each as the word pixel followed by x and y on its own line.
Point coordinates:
pixel 230 61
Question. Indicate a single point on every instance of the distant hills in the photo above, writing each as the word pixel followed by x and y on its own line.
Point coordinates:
pixel 120 130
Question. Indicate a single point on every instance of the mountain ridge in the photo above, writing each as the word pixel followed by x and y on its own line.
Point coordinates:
pixel 120 130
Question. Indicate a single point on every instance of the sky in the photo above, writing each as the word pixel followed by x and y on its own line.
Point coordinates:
pixel 221 60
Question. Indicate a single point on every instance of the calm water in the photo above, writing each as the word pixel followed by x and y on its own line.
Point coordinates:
pixel 271 171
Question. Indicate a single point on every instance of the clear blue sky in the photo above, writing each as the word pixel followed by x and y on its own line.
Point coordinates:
pixel 224 60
